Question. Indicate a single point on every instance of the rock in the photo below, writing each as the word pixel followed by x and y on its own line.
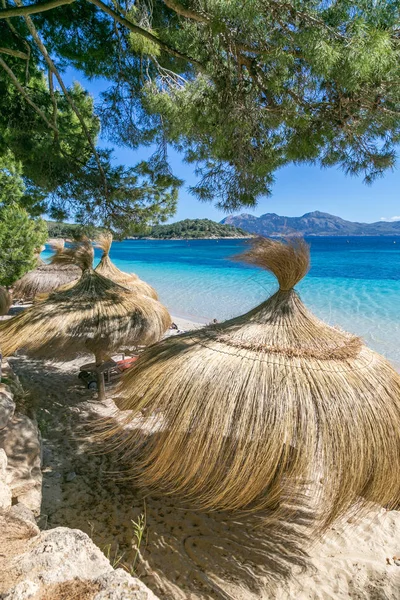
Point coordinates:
pixel 24 513
pixel 64 563
pixel 5 491
pixel 29 495
pixel 14 526
pixel 22 591
pixel 16 536
pixel 5 496
pixel 7 405
pixel 3 465
pixel 62 554
pixel 20 440
pixel 119 585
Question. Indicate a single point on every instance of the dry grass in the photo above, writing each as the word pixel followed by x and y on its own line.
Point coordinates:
pixel 5 301
pixel 75 589
pixel 94 315
pixel 265 408
pixel 46 278
pixel 16 534
pixel 107 268
pixel 288 262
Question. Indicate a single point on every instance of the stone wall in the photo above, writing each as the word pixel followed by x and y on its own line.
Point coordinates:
pixel 20 443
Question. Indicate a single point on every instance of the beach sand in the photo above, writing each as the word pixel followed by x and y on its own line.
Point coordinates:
pixel 188 555
pixel 185 324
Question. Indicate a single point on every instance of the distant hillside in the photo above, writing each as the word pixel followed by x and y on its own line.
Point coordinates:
pixel 187 229
pixel 195 229
pixel 313 223
pixel 58 229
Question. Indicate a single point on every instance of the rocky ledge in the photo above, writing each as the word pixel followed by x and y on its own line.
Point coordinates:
pixel 58 564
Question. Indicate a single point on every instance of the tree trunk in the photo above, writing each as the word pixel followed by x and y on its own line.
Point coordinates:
pixel 101 388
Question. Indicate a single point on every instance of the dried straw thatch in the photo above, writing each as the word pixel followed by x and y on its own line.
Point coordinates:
pixel 46 277
pixel 95 315
pixel 5 301
pixel 269 406
pixel 107 268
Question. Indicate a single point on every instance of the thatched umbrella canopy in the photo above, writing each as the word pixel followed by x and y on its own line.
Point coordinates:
pixel 107 268
pixel 46 277
pixel 5 301
pixel 95 315
pixel 266 406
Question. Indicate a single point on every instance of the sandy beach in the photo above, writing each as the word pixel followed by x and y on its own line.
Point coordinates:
pixel 185 324
pixel 186 554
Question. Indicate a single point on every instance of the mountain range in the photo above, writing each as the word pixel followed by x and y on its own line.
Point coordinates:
pixel 310 224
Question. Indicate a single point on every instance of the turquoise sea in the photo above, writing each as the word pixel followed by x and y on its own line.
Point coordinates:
pixel 353 282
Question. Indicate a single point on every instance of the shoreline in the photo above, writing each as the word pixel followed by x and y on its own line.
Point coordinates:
pixel 179 239
pixel 151 239
pixel 247 237
pixel 185 324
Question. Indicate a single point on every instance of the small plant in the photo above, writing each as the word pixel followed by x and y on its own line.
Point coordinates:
pixel 114 558
pixel 92 530
pixel 139 527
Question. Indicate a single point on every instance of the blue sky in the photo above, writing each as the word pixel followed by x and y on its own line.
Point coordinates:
pixel 297 190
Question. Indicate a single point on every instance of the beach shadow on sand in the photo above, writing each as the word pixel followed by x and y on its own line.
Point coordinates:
pixel 183 553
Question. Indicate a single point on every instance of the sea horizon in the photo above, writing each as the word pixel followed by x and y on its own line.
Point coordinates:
pixel 353 283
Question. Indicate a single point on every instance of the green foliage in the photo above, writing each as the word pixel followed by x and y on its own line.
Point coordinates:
pixel 11 183
pixel 20 240
pixel 240 89
pixel 139 527
pixel 46 158
pixel 74 231
pixel 20 236
pixel 302 81
pixel 195 229
pixel 52 133
pixel 143 46
pixel 138 43
pixel 137 196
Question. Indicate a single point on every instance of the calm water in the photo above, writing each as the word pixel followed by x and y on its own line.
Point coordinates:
pixel 353 282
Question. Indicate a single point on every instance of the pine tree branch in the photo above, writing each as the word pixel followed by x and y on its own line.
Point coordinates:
pixel 32 9
pixel 19 38
pixel 70 100
pixel 144 33
pixel 54 103
pixel 24 11
pixel 203 18
pixel 186 12
pixel 24 94
pixel 16 53
pixel 44 6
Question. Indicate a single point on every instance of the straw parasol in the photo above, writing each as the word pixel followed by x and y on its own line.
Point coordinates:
pixel 256 412
pixel 5 301
pixel 46 277
pixel 95 315
pixel 107 268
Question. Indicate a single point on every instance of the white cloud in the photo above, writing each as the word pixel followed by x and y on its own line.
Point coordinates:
pixel 390 219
